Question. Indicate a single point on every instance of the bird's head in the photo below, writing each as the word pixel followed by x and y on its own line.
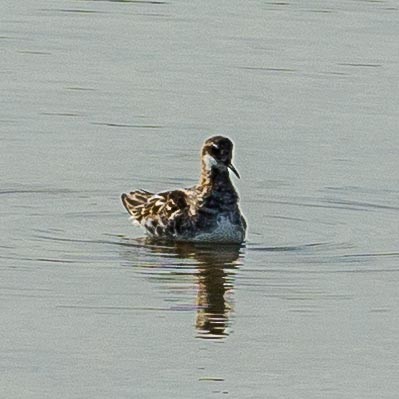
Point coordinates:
pixel 217 154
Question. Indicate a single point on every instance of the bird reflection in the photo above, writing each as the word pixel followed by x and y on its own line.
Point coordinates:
pixel 214 282
pixel 214 270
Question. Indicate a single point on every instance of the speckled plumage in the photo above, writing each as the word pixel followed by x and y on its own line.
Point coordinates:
pixel 207 212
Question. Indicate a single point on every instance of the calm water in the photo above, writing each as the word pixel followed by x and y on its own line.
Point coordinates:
pixel 100 97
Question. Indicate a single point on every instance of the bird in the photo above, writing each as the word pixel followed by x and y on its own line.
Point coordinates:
pixel 208 212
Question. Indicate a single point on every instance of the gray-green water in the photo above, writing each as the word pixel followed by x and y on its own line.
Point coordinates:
pixel 100 97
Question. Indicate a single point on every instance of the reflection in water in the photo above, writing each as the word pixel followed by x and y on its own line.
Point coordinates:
pixel 213 307
pixel 214 270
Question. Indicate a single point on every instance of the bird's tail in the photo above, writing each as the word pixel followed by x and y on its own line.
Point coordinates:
pixel 135 202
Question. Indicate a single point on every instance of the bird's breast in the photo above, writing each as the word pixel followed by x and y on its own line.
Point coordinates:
pixel 223 230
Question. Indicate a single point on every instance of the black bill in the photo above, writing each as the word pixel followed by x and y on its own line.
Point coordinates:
pixel 234 170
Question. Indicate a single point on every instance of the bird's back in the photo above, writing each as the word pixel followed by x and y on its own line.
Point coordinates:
pixel 162 214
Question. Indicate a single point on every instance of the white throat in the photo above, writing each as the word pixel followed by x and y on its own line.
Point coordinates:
pixel 209 162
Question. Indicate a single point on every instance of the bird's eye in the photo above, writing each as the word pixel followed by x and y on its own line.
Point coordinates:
pixel 215 149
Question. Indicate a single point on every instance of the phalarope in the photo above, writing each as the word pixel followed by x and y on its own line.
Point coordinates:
pixel 206 212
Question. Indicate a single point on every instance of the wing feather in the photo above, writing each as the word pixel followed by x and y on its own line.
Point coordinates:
pixel 162 214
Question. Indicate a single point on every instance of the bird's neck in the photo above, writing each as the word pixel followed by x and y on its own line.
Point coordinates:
pixel 214 179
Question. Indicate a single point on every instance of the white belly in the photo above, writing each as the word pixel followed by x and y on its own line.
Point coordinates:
pixel 224 232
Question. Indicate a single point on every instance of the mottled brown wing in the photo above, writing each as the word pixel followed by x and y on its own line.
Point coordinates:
pixel 162 214
pixel 135 201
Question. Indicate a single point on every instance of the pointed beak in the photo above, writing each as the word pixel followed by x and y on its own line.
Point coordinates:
pixel 234 170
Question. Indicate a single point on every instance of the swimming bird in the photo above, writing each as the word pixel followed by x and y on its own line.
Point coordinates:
pixel 206 212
